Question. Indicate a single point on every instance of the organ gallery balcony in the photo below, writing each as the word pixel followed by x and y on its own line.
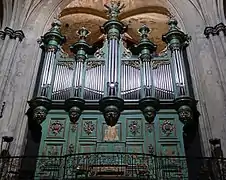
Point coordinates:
pixel 112 166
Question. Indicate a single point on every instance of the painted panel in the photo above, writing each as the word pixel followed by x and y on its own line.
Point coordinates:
pixel 53 149
pixel 170 149
pixel 135 148
pixel 86 147
pixel 111 134
pixel 111 147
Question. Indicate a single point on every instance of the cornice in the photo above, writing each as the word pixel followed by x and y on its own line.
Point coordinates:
pixel 13 34
pixel 215 30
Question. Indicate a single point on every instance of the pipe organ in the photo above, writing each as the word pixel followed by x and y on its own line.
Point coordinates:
pixel 114 73
pixel 99 76
pixel 74 91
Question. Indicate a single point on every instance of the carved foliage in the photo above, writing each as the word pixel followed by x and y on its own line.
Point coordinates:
pixel 134 127
pixel 89 127
pixel 93 64
pixel 150 127
pixel 167 127
pixel 74 127
pixel 56 127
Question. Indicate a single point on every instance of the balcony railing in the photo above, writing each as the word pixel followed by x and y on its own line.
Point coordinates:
pixel 112 165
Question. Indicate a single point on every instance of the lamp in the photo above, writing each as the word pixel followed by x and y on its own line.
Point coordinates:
pixel 5 146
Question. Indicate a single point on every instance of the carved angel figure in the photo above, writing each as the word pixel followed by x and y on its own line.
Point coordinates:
pixel 114 8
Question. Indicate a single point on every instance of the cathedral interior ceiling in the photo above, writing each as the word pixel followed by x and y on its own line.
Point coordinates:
pixel 91 14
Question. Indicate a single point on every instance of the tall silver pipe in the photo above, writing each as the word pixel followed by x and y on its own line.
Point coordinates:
pixel 45 72
pixel 124 77
pixel 109 61
pixel 47 77
pixel 112 60
pixel 180 82
pixel 149 78
pixel 56 83
pixel 116 60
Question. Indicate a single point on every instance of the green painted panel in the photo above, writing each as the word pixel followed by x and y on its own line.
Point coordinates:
pixel 131 134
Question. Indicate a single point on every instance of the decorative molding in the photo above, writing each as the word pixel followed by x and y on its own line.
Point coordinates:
pixel 71 149
pixel 13 34
pixel 215 30
pixel 150 127
pixel 74 127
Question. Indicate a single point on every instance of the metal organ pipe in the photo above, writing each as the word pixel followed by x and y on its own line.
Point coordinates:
pixel 113 66
pixel 146 48
pixel 179 72
pixel 50 42
pixel 47 79
pixel 176 41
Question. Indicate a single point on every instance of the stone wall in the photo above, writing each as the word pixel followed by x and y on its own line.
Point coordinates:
pixel 19 62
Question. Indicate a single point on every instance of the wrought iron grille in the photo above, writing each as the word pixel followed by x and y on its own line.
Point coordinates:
pixel 109 165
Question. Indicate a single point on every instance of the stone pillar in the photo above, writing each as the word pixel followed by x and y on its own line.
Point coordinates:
pixel 215 54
